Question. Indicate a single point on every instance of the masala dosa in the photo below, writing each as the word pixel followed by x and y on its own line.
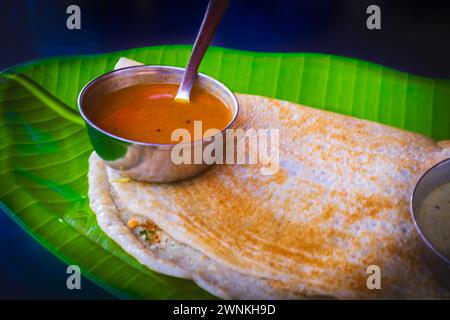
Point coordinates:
pixel 166 255
pixel 339 203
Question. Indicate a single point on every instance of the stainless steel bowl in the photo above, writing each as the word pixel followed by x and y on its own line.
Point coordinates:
pixel 146 161
pixel 433 178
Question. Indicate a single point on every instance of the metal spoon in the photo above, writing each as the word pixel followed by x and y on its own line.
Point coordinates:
pixel 213 15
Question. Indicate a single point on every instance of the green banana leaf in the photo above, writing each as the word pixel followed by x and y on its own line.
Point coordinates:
pixel 44 146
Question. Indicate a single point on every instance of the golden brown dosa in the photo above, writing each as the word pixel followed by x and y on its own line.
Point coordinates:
pixel 338 205
pixel 158 251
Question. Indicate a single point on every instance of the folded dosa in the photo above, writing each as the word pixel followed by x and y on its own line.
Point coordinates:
pixel 163 254
pixel 339 203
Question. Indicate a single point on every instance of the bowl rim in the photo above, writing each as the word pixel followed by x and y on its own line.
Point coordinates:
pixel 422 235
pixel 150 144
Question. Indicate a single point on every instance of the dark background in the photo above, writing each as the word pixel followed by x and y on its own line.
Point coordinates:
pixel 414 38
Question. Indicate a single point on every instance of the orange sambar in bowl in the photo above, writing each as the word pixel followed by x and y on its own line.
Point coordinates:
pixel 148 112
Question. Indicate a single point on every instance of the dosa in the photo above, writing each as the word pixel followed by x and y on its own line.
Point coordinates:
pixel 338 205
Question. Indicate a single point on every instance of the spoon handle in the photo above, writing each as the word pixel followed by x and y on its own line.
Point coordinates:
pixel 213 15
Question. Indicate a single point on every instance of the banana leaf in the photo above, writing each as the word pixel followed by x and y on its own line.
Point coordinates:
pixel 44 146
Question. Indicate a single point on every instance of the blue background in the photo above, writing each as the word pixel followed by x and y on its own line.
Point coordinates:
pixel 414 38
